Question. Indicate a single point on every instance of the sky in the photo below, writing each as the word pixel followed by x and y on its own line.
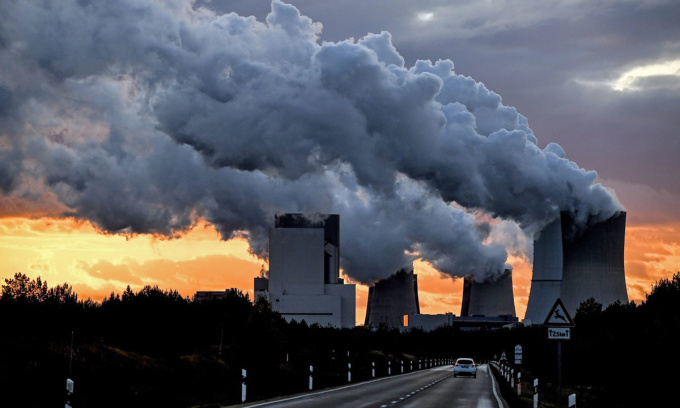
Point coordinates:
pixel 152 142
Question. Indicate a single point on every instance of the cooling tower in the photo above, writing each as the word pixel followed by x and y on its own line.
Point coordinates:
pixel 490 298
pixel 547 275
pixel 389 300
pixel 593 262
pixel 576 264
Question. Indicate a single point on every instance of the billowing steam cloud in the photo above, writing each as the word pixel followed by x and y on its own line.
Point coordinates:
pixel 144 116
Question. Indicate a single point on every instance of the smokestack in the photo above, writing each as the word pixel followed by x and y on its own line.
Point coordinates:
pixel 389 300
pixel 490 298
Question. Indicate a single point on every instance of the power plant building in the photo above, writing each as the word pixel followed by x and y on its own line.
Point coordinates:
pixel 304 271
pixel 428 323
pixel 576 264
pixel 389 300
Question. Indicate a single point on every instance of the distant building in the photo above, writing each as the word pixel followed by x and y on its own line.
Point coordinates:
pixel 430 322
pixel 261 288
pixel 304 271
pixel 484 305
pixel 389 300
pixel 214 294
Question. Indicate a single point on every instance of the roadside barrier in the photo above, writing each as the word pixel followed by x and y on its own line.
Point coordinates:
pixel 69 392
pixel 572 401
pixel 369 373
pixel 536 393
pixel 243 385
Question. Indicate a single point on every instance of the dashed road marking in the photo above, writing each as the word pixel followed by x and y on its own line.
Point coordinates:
pixel 401 399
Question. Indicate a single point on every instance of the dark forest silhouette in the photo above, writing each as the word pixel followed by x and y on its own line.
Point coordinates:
pixel 154 347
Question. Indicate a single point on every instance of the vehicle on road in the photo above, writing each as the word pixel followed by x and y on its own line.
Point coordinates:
pixel 465 366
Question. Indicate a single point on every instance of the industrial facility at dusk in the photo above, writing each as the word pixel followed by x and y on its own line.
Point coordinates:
pixel 571 262
pixel 304 271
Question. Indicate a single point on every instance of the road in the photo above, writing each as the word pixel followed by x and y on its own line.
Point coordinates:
pixel 433 387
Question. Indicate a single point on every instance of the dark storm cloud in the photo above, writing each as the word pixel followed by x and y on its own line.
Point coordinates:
pixel 143 117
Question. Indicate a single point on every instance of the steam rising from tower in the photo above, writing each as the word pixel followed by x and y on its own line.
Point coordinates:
pixel 146 116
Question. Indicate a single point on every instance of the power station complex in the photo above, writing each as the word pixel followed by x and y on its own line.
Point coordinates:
pixel 571 263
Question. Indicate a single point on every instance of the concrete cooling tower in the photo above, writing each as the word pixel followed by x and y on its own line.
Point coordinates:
pixel 593 263
pixel 389 300
pixel 547 277
pixel 583 264
pixel 490 298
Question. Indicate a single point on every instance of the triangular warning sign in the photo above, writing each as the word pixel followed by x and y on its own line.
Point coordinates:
pixel 558 316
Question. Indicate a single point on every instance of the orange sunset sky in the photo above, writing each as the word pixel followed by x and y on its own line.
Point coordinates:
pixel 96 264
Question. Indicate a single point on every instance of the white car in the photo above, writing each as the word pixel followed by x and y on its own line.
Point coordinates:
pixel 465 366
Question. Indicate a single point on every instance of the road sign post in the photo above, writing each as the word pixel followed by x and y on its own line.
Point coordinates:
pixel 559 325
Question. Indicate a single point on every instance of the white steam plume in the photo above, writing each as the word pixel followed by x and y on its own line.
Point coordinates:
pixel 144 116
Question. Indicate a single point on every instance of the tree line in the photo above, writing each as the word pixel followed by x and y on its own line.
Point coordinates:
pixel 153 347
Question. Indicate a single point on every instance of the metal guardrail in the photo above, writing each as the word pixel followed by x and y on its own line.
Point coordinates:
pixel 508 375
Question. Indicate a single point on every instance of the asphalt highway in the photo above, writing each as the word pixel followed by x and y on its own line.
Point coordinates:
pixel 435 387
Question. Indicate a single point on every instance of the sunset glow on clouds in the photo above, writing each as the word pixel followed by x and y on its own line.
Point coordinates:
pixel 152 143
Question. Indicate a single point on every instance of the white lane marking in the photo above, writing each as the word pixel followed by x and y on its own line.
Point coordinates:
pixel 343 388
pixel 493 382
pixel 327 391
